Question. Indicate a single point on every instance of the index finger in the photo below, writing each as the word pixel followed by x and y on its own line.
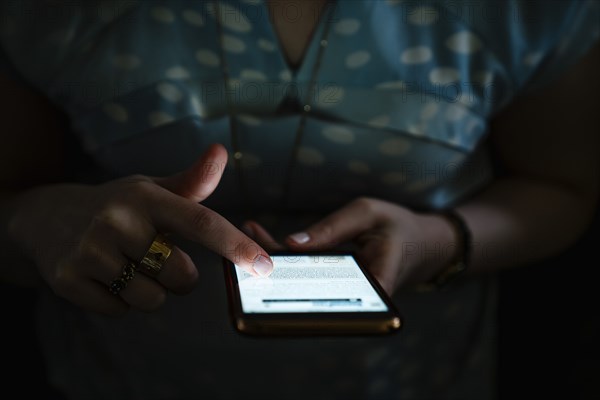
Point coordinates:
pixel 171 213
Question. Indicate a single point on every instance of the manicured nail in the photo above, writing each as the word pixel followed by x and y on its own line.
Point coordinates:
pixel 263 265
pixel 300 237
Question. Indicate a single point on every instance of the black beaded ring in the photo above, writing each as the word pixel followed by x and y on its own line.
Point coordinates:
pixel 120 283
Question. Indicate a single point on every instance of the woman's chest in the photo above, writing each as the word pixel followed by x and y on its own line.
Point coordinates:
pixel 294 23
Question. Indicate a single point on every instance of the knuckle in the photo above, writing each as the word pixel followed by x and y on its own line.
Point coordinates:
pixel 137 187
pixel 250 251
pixel 113 219
pixel 135 179
pixel 364 204
pixel 109 218
pixel 202 219
pixel 89 251
pixel 243 251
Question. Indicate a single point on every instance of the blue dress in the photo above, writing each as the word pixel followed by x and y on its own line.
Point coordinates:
pixel 395 100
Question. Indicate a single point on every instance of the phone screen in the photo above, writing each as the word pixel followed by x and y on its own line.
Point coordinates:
pixel 309 284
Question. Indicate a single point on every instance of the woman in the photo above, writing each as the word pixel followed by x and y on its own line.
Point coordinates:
pixel 317 124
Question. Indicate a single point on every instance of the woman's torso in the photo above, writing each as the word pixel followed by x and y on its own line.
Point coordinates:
pixel 400 109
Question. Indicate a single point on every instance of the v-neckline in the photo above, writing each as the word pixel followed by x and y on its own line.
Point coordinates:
pixel 296 69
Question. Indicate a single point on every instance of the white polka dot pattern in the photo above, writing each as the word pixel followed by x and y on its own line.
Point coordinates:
pixel 429 111
pixel 330 95
pixel 249 119
pixel 233 45
pixel 169 92
pixel 158 118
pixel 416 55
pixel 208 58
pixel 285 75
pixel 266 45
pixel 193 18
pixel 464 43
pixel 533 58
pixel 357 59
pixel 348 26
pixel 177 72
pixel 417 129
pixel 253 75
pixel 198 107
pixel 392 85
pixel 339 134
pixel 380 121
pixel 444 75
pixel 423 16
pixel 231 18
pixel 455 112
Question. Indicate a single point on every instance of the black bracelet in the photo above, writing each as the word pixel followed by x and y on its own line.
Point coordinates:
pixel 461 261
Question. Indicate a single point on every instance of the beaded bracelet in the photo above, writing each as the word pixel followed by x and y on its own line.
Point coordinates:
pixel 461 262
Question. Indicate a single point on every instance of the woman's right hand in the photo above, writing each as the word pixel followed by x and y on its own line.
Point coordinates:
pixel 80 237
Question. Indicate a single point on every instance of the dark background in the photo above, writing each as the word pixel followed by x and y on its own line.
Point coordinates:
pixel 549 326
pixel 548 331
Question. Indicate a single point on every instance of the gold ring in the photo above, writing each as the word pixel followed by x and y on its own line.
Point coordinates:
pixel 121 282
pixel 156 256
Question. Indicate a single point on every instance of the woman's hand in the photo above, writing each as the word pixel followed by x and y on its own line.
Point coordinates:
pixel 80 237
pixel 400 247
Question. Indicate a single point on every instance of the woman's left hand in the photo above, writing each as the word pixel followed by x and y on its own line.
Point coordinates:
pixel 399 246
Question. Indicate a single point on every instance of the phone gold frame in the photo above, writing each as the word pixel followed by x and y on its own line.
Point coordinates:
pixel 311 324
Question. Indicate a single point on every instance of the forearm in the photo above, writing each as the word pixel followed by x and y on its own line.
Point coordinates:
pixel 37 226
pixel 16 266
pixel 518 221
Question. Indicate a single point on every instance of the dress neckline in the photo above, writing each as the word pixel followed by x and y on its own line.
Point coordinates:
pixel 296 68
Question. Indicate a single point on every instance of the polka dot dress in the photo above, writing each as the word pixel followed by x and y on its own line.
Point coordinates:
pixel 400 110
pixel 433 75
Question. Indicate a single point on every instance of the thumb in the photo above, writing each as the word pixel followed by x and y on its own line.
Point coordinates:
pixel 201 179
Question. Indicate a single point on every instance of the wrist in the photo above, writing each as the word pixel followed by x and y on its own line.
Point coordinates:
pixel 18 266
pixel 38 217
pixel 455 239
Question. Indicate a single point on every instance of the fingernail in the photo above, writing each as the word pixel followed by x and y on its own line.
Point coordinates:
pixel 263 266
pixel 300 237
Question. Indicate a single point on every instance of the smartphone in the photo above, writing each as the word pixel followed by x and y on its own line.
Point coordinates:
pixel 310 294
